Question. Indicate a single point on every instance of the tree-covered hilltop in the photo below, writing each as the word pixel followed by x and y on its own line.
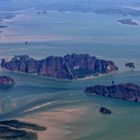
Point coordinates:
pixel 126 91
pixel 67 67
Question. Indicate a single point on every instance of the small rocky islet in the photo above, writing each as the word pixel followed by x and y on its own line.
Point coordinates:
pixel 105 110
pixel 68 67
pixel 6 81
pixel 130 65
pixel 126 91
pixel 128 21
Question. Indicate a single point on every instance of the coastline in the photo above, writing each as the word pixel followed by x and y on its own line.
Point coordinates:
pixel 57 79
pixel 99 75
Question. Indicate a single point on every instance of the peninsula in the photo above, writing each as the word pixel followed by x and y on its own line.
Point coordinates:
pixel 127 91
pixel 68 67
pixel 18 130
pixel 3 26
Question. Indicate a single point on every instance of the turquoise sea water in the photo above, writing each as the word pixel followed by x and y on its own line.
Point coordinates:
pixel 98 35
pixel 57 33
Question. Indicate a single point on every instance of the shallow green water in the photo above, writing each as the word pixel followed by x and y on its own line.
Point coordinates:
pixel 86 33
pixel 31 91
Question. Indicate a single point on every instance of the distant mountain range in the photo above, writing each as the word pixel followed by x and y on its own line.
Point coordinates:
pixel 127 7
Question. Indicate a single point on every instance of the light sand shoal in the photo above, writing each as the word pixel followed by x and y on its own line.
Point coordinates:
pixel 56 122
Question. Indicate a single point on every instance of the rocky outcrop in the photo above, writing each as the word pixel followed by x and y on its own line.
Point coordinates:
pixel 105 110
pixel 130 65
pixel 127 91
pixel 67 67
pixel 6 81
pixel 128 21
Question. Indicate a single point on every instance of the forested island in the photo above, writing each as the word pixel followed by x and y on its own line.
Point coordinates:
pixel 68 67
pixel 125 91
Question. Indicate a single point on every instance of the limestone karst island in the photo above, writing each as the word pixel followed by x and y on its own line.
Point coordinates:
pixel 69 69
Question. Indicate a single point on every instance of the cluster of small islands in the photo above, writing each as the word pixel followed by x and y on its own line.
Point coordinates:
pixel 74 66
pixel 69 67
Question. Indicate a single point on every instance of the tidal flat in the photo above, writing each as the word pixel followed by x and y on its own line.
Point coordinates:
pixel 61 105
